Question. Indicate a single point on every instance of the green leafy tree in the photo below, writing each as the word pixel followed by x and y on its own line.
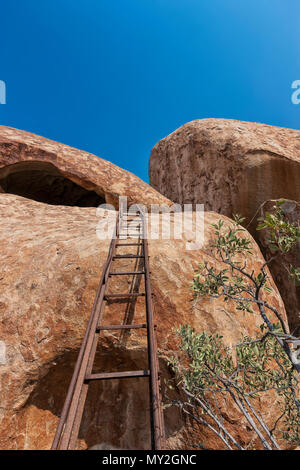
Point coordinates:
pixel 208 372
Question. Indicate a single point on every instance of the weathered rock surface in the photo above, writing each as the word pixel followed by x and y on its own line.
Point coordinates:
pixel 229 166
pixel 279 267
pixel 50 172
pixel 51 262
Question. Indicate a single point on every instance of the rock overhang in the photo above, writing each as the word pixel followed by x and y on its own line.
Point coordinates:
pixel 230 166
pixel 67 169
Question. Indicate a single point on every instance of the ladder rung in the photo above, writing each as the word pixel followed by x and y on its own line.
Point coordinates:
pixel 129 235
pixel 134 230
pixel 129 244
pixel 121 273
pixel 128 256
pixel 129 222
pixel 122 327
pixel 119 296
pixel 131 215
pixel 126 234
pixel 118 375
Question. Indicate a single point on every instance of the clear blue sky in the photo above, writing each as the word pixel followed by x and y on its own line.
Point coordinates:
pixel 114 77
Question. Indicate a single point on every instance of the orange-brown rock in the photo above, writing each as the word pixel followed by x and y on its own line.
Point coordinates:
pixel 229 166
pixel 280 264
pixel 51 261
pixel 50 172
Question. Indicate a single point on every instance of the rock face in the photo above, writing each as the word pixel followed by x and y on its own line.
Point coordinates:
pixel 229 166
pixel 279 267
pixel 51 261
pixel 50 172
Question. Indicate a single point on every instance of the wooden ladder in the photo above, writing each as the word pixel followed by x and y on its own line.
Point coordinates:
pixel 69 425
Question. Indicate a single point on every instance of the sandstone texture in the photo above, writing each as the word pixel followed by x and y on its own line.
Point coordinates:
pixel 229 166
pixel 279 267
pixel 51 262
pixel 50 172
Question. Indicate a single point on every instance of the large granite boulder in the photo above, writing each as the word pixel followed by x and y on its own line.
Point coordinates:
pixel 230 166
pixel 50 172
pixel 51 261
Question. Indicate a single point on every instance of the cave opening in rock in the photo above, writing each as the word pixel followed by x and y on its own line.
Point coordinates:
pixel 43 182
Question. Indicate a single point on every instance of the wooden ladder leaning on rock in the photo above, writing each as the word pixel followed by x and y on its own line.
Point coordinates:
pixel 68 428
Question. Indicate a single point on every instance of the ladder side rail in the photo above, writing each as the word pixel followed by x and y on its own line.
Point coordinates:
pixel 83 393
pixel 72 385
pixel 76 406
pixel 152 351
pixel 161 416
pixel 94 314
